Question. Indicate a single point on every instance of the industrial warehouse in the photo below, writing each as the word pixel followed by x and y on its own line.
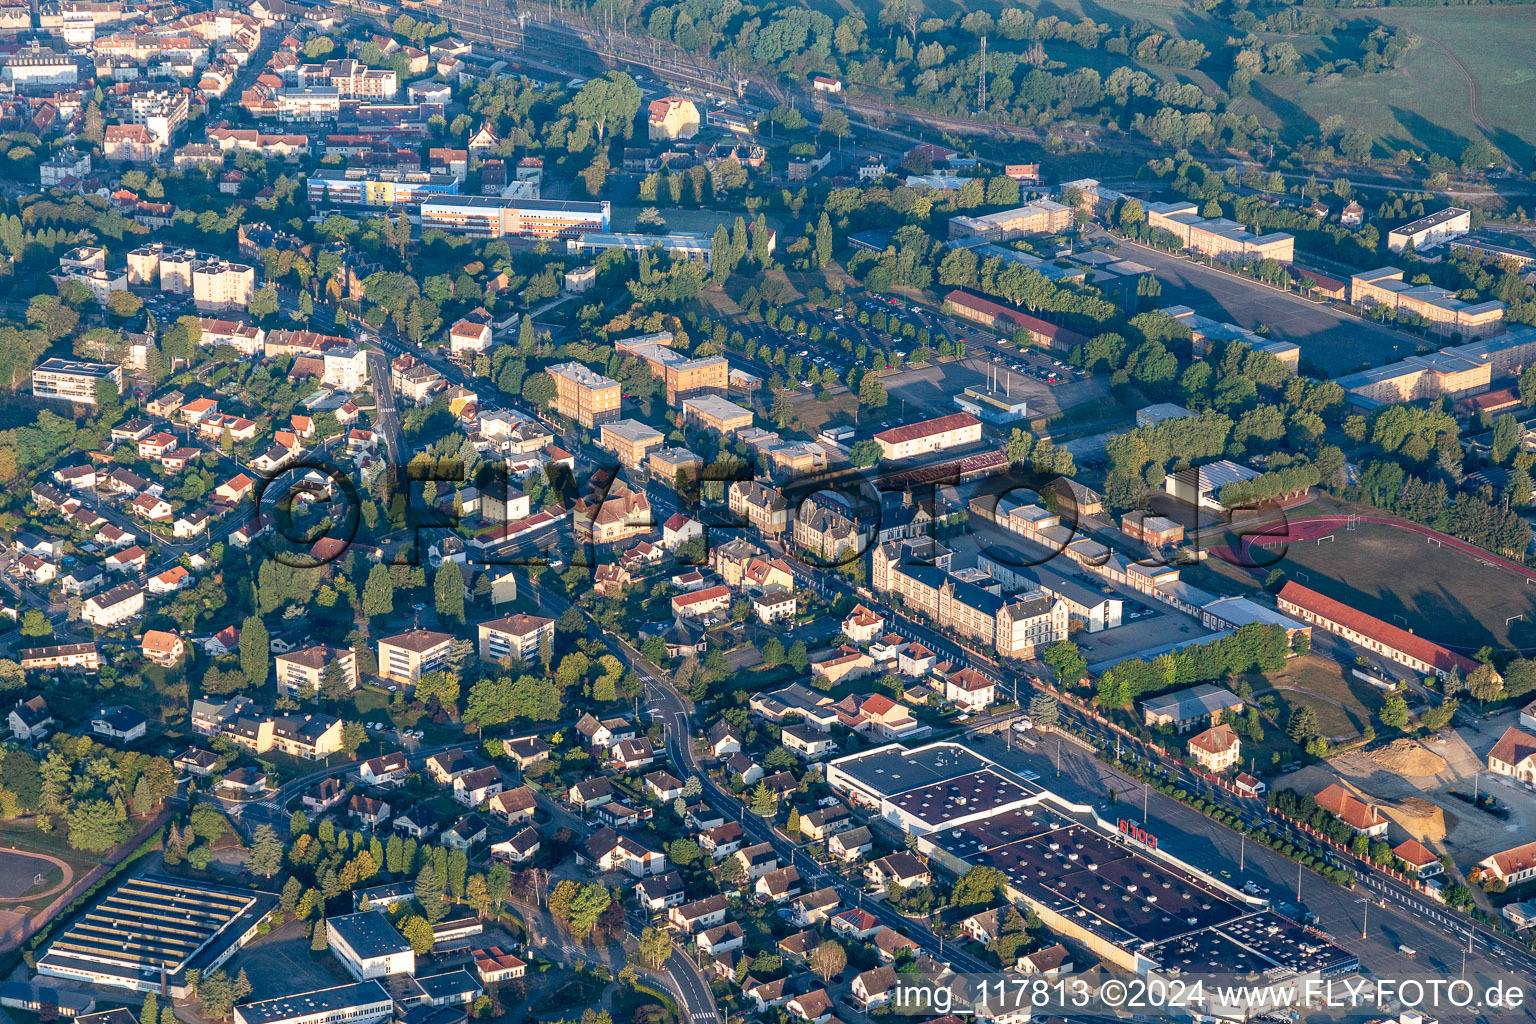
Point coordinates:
pixel 148 932
pixel 1112 890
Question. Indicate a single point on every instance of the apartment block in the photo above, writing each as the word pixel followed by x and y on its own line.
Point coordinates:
pixel 1431 230
pixel 683 377
pixel 516 637
pixel 218 285
pixel 1043 216
pixel 715 414
pixel 350 78
pixel 494 217
pixel 631 440
pixel 72 380
pixel 379 189
pixel 406 657
pixel 304 670
pixel 584 395
pixel 1446 314
pixel 1218 237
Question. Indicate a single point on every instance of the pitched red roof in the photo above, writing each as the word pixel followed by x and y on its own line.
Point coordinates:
pixel 1513 747
pixel 1216 740
pixel 965 300
pixel 1354 813
pixel 1414 853
pixel 1384 633
pixel 927 428
pixel 1520 858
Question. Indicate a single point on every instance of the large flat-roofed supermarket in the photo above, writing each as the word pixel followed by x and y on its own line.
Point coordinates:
pixel 1138 908
pixel 152 930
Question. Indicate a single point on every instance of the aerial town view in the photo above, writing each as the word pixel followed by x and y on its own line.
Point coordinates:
pixel 717 512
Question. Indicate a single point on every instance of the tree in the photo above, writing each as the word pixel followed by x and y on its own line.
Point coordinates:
pixel 764 803
pixel 150 1013
pixel 683 851
pixel 799 658
pixel 1394 712
pixel 353 736
pixel 835 123
pixel 587 906
pixel 255 652
pixel 865 453
pixel 35 623
pixel 773 652
pixel 1485 684
pixel 418 932
pixel 96 826
pixel 611 101
pixel 266 852
pixel 793 824
pixel 1302 725
pixel 478 895
pixel 655 947
pixel 827 959
pixel 1068 661
pixel 263 303
pixel 429 893
pixel 980 886
pixel 378 592
pixel 872 392
pixel 124 304
pixel 448 589
pixel 458 873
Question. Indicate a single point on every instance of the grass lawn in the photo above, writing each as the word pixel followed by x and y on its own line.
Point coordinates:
pixel 632 1005
pixel 579 990
pixel 1344 705
pixel 1427 101
pixel 22 835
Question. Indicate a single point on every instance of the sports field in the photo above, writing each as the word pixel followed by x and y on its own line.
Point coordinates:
pixel 1444 595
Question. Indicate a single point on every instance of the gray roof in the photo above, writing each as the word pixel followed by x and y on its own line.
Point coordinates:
pixel 1184 705
pixel 304 1004
pixel 369 934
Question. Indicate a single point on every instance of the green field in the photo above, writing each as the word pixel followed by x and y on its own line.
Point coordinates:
pixel 1427 102
pixel 1343 704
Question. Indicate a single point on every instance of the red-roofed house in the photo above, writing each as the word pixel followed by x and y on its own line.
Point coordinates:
pixel 1216 749
pixel 1420 860
pixel 1357 814
pixel 710 600
pixel 969 689
pixel 680 529
pixel 862 625
pixel 1511 866
pixel 1366 631
pixel 1514 755
pixel 842 662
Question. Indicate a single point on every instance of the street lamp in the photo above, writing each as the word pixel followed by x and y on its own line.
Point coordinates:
pixel 1366 919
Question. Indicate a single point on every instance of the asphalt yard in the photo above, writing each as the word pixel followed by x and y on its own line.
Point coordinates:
pixel 1334 341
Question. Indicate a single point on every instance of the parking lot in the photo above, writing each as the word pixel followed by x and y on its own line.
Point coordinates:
pixel 934 387
pixel 1334 341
